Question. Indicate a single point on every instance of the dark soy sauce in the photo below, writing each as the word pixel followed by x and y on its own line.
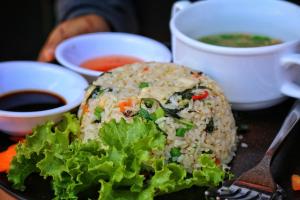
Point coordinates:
pixel 30 100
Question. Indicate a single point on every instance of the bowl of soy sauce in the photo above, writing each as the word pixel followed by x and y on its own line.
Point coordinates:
pixel 32 93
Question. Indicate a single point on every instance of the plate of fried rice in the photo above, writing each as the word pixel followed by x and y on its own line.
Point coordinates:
pixel 142 130
pixel 196 115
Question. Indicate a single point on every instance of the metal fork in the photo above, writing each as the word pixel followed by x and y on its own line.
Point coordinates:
pixel 258 183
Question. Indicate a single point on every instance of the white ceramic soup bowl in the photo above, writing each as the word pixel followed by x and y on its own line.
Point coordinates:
pixel 27 75
pixel 73 52
pixel 252 78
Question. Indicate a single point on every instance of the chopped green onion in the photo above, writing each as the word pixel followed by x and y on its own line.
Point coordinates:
pixel 97 112
pixel 180 132
pixel 175 152
pixel 189 125
pixel 159 113
pixel 144 114
pixel 143 85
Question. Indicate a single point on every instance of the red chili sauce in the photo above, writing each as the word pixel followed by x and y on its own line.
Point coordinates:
pixel 107 63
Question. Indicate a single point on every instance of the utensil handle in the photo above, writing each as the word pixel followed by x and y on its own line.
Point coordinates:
pixel 288 124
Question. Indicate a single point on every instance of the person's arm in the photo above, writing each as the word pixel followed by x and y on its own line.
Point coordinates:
pixel 120 14
pixel 86 16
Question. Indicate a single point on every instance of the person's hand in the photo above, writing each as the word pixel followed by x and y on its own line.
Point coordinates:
pixel 69 28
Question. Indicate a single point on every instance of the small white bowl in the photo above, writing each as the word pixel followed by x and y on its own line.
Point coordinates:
pixel 72 52
pixel 29 75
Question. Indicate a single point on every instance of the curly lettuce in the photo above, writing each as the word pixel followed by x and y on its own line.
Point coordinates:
pixel 127 162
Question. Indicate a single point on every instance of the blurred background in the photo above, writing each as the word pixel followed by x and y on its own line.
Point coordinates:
pixel 26 24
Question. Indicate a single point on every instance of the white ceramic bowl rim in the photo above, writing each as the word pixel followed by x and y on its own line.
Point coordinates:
pixel 69 104
pixel 64 62
pixel 220 49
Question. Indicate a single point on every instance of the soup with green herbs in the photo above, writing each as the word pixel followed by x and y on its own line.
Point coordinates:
pixel 239 40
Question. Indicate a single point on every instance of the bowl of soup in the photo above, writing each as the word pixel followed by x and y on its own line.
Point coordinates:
pixel 250 47
pixel 95 53
pixel 32 93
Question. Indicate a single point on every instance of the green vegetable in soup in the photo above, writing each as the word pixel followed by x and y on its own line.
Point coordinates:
pixel 239 40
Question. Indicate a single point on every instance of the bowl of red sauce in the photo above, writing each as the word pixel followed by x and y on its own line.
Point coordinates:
pixel 95 53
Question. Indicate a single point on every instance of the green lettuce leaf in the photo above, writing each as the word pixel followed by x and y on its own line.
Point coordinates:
pixel 126 162
pixel 44 138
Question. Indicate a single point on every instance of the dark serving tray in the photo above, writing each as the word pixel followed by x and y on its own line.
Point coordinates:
pixel 263 126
